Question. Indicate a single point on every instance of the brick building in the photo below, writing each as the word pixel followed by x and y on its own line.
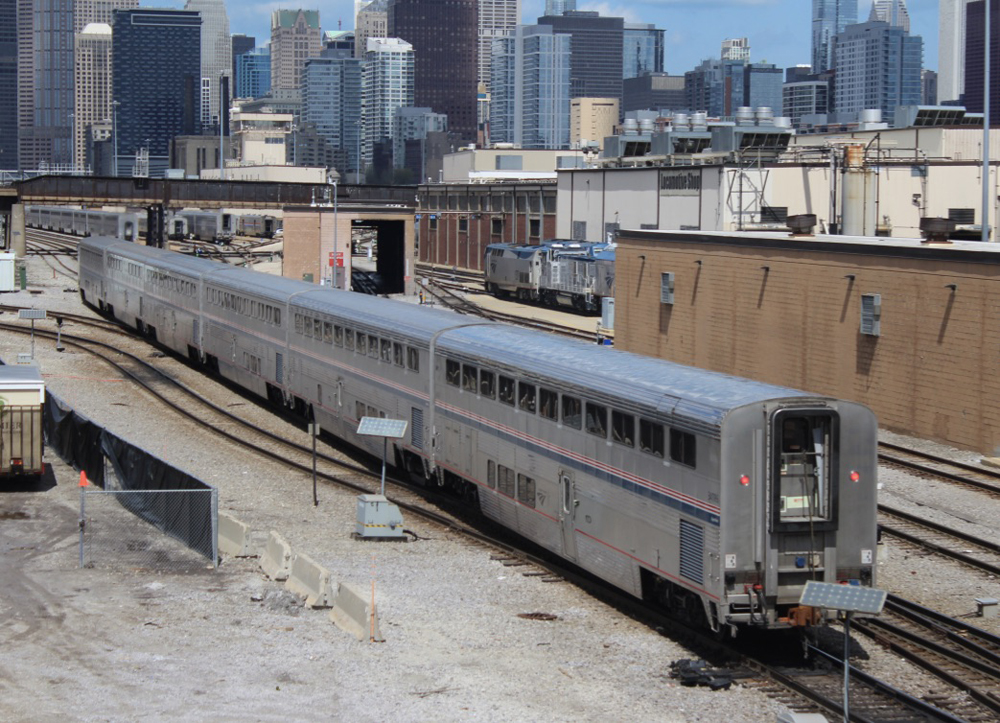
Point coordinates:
pixel 908 328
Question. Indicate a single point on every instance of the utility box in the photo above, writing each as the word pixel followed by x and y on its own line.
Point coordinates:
pixel 986 607
pixel 8 275
pixel 378 518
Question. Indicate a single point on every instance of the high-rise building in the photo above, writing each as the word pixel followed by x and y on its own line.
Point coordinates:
pixel 558 7
pixel 92 70
pixel 241 44
pixel 253 73
pixel 829 18
pixel 44 83
pixel 216 56
pixel 496 19
pixel 804 98
pixel 295 37
pixel 951 49
pixel 597 53
pixel 445 39
pixel 654 91
pixel 878 67
pixel 370 22
pixel 387 85
pixel 893 12
pixel 642 47
pixel 736 49
pixel 87 12
pixel 8 84
pixel 530 101
pixel 975 57
pixel 331 104
pixel 591 120
pixel 156 76
pixel 928 87
pixel 411 128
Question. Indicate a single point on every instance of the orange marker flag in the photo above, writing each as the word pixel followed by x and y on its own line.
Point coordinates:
pixel 83 478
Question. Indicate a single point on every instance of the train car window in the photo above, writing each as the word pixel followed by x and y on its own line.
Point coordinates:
pixel 397 353
pixel 298 323
pixel 572 411
pixel 362 342
pixel 373 346
pixel 505 480
pixel 327 332
pixel 548 403
pixel 412 359
pixel 526 395
pixel 491 474
pixel 317 329
pixel 385 347
pixel 597 420
pixel 338 335
pixel 682 447
pixel 349 339
pixel 452 372
pixel 651 438
pixel 487 383
pixel 526 490
pixel 623 428
pixel 506 390
pixel 470 378
pixel 359 409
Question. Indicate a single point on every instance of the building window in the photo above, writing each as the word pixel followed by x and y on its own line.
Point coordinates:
pixel 496 226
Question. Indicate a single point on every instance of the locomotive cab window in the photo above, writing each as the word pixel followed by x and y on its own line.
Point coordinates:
pixel 682 448
pixel 452 372
pixel 804 485
pixel 487 380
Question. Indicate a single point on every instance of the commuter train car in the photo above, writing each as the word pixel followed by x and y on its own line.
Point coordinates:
pixel 22 396
pixel 86 222
pixel 215 226
pixel 575 274
pixel 714 496
pixel 256 225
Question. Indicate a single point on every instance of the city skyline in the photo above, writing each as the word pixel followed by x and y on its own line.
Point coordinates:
pixel 779 30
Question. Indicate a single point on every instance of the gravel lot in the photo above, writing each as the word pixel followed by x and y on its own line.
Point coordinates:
pixel 117 642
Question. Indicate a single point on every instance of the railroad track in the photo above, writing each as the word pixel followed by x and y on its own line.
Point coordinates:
pixel 923 463
pixel 53 247
pixel 954 544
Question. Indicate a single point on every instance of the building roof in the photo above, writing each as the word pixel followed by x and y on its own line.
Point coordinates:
pixel 288 18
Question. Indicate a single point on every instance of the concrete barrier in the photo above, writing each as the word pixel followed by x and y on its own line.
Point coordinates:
pixel 234 537
pixel 277 557
pixel 311 581
pixel 352 612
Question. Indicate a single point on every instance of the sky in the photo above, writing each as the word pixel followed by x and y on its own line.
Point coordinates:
pixel 779 30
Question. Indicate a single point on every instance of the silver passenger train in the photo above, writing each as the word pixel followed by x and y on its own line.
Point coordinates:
pixel 715 496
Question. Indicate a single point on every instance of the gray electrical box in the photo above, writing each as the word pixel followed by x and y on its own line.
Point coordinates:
pixel 378 518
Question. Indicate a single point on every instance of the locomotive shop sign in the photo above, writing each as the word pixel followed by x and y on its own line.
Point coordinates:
pixel 680 183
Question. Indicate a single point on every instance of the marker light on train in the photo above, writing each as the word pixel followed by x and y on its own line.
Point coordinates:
pixel 744 480
pixel 855 477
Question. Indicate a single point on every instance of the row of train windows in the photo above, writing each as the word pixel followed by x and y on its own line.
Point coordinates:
pixel 245 307
pixel 169 282
pixel 130 268
pixel 573 412
pixel 391 352
pixel 96 257
pixel 506 482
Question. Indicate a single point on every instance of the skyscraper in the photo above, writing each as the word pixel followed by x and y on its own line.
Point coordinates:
pixel 331 103
pixel 642 47
pixel 253 73
pixel 530 103
pixel 295 37
pixel 216 55
pixel 830 17
pixel 893 12
pixel 156 76
pixel 878 66
pixel 445 39
pixel 975 57
pixel 558 7
pixel 597 52
pixel 951 49
pixel 370 22
pixel 8 84
pixel 241 44
pixel 387 85
pixel 93 85
pixel 86 12
pixel 496 19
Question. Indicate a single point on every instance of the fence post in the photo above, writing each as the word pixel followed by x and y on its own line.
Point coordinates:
pixel 215 527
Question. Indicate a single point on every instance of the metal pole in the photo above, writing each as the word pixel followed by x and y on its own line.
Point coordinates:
pixel 986 131
pixel 83 518
pixel 847 667
pixel 312 431
pixel 336 271
pixel 385 444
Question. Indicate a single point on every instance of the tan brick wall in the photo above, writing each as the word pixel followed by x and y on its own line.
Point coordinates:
pixel 933 372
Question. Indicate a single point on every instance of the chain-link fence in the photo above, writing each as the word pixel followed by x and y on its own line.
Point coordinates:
pixel 162 530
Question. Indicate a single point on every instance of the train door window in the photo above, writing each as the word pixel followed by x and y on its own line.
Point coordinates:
pixel 651 438
pixel 470 378
pixel 491 474
pixel 487 383
pixel 572 411
pixel 506 390
pixel 385 347
pixel 361 339
pixel 597 420
pixel 397 353
pixel 452 372
pixel 526 395
pixel 373 346
pixel 338 335
pixel 623 428
pixel 548 403
pixel 526 490
pixel 682 447
pixel 412 359
pixel 349 339
pixel 804 489
pixel 327 332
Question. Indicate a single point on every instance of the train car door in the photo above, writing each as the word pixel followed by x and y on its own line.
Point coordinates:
pixel 567 514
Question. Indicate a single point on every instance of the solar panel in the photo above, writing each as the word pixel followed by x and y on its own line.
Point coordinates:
pixel 850 598
pixel 31 314
pixel 380 427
